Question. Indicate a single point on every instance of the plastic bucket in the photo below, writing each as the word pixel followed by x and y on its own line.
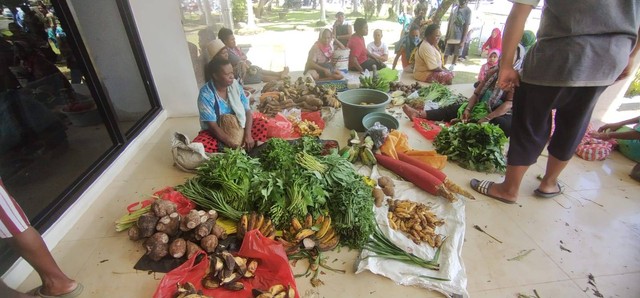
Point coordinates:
pixel 341 60
pixel 354 108
pixel 385 119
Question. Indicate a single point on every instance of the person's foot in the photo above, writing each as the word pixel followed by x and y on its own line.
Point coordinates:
pixel 71 289
pixel 462 59
pixel 451 67
pixel 410 112
pixel 492 190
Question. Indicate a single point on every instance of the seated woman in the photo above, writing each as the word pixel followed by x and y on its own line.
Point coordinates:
pixel 359 57
pixel 628 138
pixel 404 47
pixel 225 116
pixel 319 65
pixel 493 43
pixel 487 104
pixel 244 67
pixel 428 66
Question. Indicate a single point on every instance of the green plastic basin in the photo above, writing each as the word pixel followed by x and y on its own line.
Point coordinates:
pixel 353 109
pixel 385 119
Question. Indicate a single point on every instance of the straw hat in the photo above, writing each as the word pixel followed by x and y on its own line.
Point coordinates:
pixel 214 47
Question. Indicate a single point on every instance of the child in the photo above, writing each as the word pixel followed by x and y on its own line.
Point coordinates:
pixel 492 60
pixel 377 49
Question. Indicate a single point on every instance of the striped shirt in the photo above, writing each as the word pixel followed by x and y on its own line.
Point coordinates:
pixel 13 221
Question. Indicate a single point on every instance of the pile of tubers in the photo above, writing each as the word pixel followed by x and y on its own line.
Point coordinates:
pixel 225 271
pixel 416 220
pixel 386 188
pixel 304 94
pixel 188 290
pixel 167 233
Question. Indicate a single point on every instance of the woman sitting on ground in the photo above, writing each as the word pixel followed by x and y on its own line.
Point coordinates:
pixel 319 65
pixel 359 57
pixel 493 43
pixel 628 138
pixel 405 47
pixel 428 59
pixel 225 116
pixel 487 104
pixel 242 66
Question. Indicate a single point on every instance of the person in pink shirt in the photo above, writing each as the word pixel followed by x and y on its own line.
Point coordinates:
pixel 359 57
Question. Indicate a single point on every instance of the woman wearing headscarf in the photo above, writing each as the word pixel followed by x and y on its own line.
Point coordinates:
pixel 492 61
pixel 494 41
pixel 528 39
pixel 405 47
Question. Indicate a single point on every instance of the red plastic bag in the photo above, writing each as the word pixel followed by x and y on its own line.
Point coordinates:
pixel 426 128
pixel 168 193
pixel 273 269
pixel 315 117
pixel 280 127
pixel 187 272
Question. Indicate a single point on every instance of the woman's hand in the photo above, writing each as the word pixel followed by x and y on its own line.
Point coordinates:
pixel 466 115
pixel 611 126
pixel 508 78
pixel 483 120
pixel 600 135
pixel 326 72
pixel 249 143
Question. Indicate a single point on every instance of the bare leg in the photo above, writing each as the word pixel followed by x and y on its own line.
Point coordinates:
pixel 508 189
pixel 7 292
pixel 446 57
pixel 33 249
pixel 549 182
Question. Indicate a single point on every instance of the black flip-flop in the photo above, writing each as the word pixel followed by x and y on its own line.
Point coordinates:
pixel 482 186
pixel 548 195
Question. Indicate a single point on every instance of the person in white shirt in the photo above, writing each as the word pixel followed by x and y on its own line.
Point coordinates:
pixel 378 50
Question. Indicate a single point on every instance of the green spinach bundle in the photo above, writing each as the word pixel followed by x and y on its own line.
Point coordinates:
pixel 477 147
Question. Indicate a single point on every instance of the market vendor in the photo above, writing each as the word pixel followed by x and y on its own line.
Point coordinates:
pixel 359 58
pixel 487 104
pixel 319 65
pixel 244 69
pixel 428 59
pixel 225 115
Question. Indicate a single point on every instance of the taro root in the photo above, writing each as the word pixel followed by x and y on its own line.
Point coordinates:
pixel 147 224
pixel 192 249
pixel 169 224
pixel 134 233
pixel 157 246
pixel 209 243
pixel 178 248
pixel 163 207
pixel 204 229
pixel 190 221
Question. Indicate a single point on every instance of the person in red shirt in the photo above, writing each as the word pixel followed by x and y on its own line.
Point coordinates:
pixel 359 58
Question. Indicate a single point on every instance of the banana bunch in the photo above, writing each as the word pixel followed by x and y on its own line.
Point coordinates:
pixel 256 221
pixel 276 291
pixel 366 152
pixel 373 82
pixel 309 128
pixel 310 234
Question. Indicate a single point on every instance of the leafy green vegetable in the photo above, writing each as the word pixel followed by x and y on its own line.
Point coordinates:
pixel 474 146
pixel 350 202
pixel 435 92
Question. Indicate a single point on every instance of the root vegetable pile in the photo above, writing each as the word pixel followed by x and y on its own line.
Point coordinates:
pixel 176 236
pixel 415 220
pixel 304 94
pixel 275 291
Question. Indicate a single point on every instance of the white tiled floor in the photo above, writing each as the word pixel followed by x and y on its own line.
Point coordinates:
pixel 597 219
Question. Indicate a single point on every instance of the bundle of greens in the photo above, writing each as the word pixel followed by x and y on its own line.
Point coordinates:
pixel 452 100
pixel 350 203
pixel 435 92
pixel 474 146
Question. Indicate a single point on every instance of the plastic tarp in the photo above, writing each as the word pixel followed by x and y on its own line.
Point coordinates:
pixel 451 265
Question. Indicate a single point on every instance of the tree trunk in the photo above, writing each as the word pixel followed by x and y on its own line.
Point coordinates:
pixel 356 3
pixel 260 9
pixel 323 11
pixel 442 9
pixel 251 19
pixel 205 8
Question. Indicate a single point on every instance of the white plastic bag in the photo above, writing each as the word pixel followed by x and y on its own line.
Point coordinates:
pixel 187 156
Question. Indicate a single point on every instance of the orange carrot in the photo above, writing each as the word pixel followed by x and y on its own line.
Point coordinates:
pixel 417 176
pixel 425 167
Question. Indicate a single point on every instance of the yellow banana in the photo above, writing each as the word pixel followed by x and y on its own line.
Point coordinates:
pixel 295 223
pixel 325 227
pixel 308 221
pixel 330 234
pixel 265 228
pixel 259 222
pixel 304 233
pixel 319 220
pixel 330 244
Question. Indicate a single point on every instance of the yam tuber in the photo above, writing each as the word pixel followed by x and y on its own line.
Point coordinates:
pixel 378 195
pixel 178 248
pixel 384 181
pixel 169 224
pixel 209 243
pixel 163 207
pixel 147 224
pixel 389 190
pixel 190 221
pixel 192 249
pixel 219 231
pixel 204 229
pixel 157 246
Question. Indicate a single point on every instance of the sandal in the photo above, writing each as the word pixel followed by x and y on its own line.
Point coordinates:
pixel 548 195
pixel 482 186
pixel 75 293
